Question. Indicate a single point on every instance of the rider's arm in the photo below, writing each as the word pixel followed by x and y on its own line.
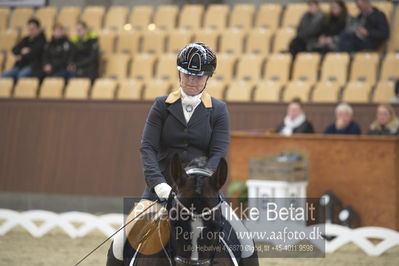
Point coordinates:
pixel 150 144
pixel 220 138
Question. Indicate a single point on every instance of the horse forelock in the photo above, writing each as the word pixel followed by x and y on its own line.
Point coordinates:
pixel 199 162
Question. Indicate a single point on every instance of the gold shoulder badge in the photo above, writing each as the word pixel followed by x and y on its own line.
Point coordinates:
pixel 173 96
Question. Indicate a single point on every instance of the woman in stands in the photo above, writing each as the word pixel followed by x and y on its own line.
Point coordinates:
pixel 85 53
pixel 295 121
pixel 386 122
pixel 334 24
pixel 193 124
pixel 309 28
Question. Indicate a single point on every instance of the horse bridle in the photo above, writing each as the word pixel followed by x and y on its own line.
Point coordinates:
pixel 202 214
pixel 173 197
pixel 184 261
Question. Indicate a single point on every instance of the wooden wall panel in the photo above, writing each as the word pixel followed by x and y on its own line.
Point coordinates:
pixel 92 147
pixel 71 147
pixel 262 116
pixel 361 170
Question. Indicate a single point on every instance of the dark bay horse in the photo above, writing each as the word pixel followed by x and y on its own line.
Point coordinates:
pixel 196 235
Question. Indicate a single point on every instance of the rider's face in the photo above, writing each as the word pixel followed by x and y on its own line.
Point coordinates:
pixel 191 84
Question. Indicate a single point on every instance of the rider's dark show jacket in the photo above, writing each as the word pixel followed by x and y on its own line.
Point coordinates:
pixel 166 132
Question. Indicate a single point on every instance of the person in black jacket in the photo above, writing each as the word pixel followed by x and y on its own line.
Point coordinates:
pixel 309 28
pixel 85 54
pixel 28 52
pixel 295 121
pixel 190 123
pixel 334 24
pixel 395 99
pixel 344 123
pixel 57 53
pixel 369 30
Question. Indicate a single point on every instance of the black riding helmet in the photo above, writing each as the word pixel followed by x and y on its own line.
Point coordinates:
pixel 196 59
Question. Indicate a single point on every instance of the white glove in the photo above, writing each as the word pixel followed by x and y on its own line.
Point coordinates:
pixel 162 190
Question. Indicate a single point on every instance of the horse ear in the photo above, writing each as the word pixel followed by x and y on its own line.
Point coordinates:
pixel 220 175
pixel 176 170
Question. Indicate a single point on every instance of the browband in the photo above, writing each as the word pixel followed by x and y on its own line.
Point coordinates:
pixel 199 171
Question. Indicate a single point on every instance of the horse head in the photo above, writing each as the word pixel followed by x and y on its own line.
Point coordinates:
pixel 195 217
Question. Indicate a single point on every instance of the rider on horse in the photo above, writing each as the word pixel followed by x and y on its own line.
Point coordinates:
pixel 192 124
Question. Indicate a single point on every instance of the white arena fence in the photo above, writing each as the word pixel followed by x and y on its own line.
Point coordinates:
pixel 108 224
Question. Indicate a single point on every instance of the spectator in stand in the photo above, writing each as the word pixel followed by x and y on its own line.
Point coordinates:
pixel 334 24
pixel 28 52
pixel 295 121
pixel 396 98
pixel 368 31
pixel 386 123
pixel 309 28
pixel 344 123
pixel 85 53
pixel 57 53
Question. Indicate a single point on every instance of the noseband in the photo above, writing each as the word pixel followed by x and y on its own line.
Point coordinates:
pixel 183 261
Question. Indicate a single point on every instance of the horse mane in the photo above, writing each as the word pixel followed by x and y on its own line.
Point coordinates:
pixel 199 162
